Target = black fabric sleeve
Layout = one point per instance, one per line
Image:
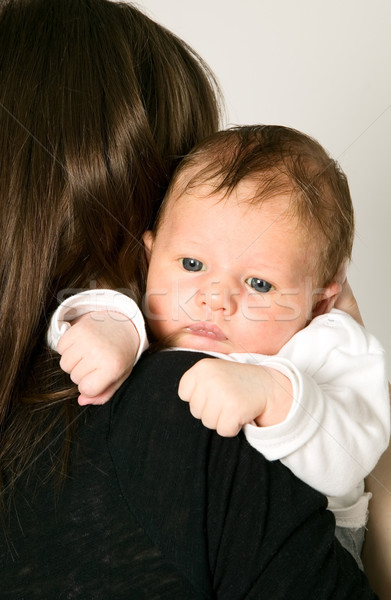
(231, 523)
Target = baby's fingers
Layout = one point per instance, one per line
(187, 385)
(98, 382)
(69, 360)
(99, 398)
(67, 339)
(92, 383)
(197, 375)
(227, 425)
(81, 371)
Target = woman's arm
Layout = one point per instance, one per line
(377, 545)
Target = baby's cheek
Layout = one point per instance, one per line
(269, 324)
(256, 307)
(155, 309)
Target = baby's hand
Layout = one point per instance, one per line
(226, 395)
(98, 352)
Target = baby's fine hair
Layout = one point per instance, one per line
(280, 160)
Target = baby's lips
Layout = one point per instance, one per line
(208, 330)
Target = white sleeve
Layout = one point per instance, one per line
(339, 423)
(95, 300)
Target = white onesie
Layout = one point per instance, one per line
(339, 422)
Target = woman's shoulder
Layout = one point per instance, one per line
(155, 377)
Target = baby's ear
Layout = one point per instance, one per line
(148, 239)
(326, 298)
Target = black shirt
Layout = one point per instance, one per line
(156, 506)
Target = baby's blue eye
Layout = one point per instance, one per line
(192, 264)
(259, 285)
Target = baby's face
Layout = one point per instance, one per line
(226, 276)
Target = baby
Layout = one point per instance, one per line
(244, 263)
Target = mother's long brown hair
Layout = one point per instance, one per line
(97, 105)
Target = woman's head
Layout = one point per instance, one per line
(98, 102)
(97, 105)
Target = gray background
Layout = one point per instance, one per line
(324, 68)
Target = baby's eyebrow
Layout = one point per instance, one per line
(190, 243)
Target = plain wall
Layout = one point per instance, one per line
(324, 68)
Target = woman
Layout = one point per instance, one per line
(134, 499)
(98, 105)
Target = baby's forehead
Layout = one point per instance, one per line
(268, 190)
(245, 201)
(256, 192)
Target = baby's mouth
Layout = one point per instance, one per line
(207, 330)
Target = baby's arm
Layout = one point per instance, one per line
(226, 395)
(334, 418)
(339, 423)
(100, 349)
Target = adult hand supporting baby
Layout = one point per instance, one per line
(347, 302)
(377, 546)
